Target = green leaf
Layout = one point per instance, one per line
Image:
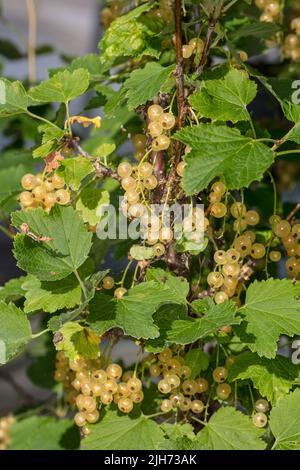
(51, 296)
(89, 62)
(225, 99)
(197, 360)
(177, 436)
(121, 432)
(271, 309)
(74, 170)
(134, 312)
(190, 330)
(104, 150)
(221, 151)
(15, 331)
(229, 429)
(127, 37)
(178, 286)
(163, 319)
(258, 29)
(140, 253)
(62, 87)
(43, 433)
(89, 202)
(273, 378)
(13, 98)
(285, 422)
(143, 84)
(75, 341)
(66, 251)
(12, 290)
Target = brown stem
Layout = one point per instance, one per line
(212, 21)
(179, 63)
(26, 396)
(293, 213)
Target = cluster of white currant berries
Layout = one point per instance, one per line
(43, 191)
(95, 387)
(289, 235)
(260, 419)
(108, 283)
(271, 10)
(291, 45)
(195, 46)
(159, 124)
(217, 208)
(5, 424)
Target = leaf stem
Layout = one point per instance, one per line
(125, 272)
(40, 118)
(6, 232)
(40, 333)
(81, 284)
(287, 152)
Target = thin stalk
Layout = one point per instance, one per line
(6, 232)
(81, 283)
(287, 152)
(40, 333)
(32, 38)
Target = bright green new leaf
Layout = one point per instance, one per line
(62, 87)
(285, 422)
(143, 84)
(221, 151)
(271, 309)
(13, 98)
(63, 253)
(273, 378)
(225, 99)
(178, 286)
(127, 37)
(229, 429)
(190, 330)
(75, 340)
(10, 181)
(15, 331)
(140, 253)
(74, 170)
(121, 432)
(89, 202)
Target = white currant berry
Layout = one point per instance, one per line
(259, 420)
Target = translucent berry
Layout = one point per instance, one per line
(187, 51)
(164, 386)
(189, 387)
(150, 182)
(58, 181)
(48, 185)
(134, 384)
(220, 374)
(132, 196)
(219, 188)
(49, 200)
(62, 196)
(243, 245)
(161, 142)
(185, 404)
(232, 255)
(154, 370)
(166, 406)
(220, 297)
(223, 391)
(128, 183)
(238, 209)
(258, 251)
(218, 210)
(107, 398)
(165, 355)
(145, 170)
(176, 398)
(185, 372)
(114, 371)
(139, 141)
(154, 112)
(137, 397)
(215, 279)
(275, 256)
(167, 121)
(173, 380)
(155, 128)
(124, 170)
(243, 56)
(252, 217)
(26, 199)
(220, 257)
(231, 269)
(125, 405)
(110, 386)
(197, 406)
(260, 420)
(28, 181)
(92, 417)
(100, 375)
(120, 292)
(80, 419)
(261, 405)
(282, 228)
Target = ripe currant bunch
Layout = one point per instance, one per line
(270, 9)
(89, 387)
(43, 191)
(5, 424)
